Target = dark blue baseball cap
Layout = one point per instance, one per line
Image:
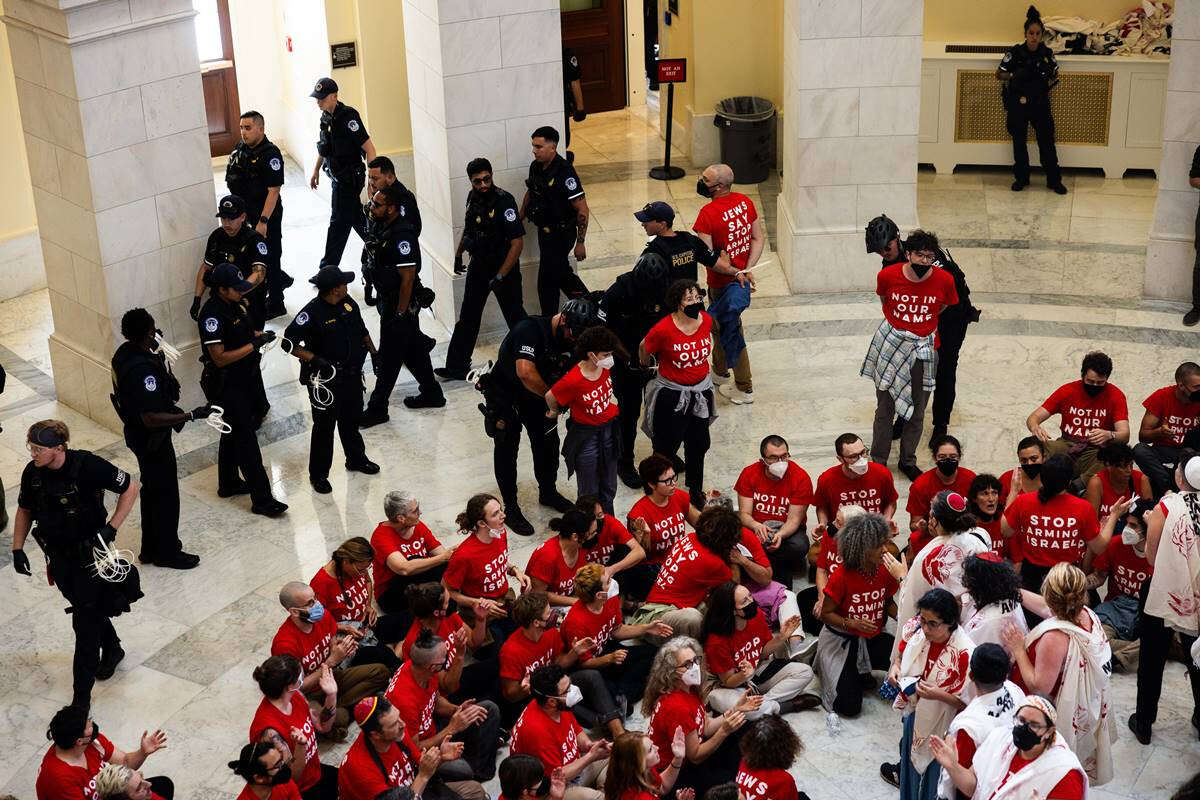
(330, 276)
(231, 207)
(228, 276)
(657, 211)
(324, 88)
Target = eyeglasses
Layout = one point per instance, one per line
(1036, 727)
(670, 480)
(481, 181)
(776, 459)
(36, 449)
(926, 622)
(686, 665)
(850, 458)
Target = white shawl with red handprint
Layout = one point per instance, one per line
(1174, 594)
(948, 673)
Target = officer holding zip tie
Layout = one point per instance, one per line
(331, 340)
(145, 393)
(62, 498)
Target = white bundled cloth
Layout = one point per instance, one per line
(948, 673)
(1083, 704)
(981, 716)
(1174, 595)
(994, 758)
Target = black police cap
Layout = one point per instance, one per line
(231, 206)
(324, 88)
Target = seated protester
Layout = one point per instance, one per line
(946, 475)
(267, 772)
(118, 782)
(548, 730)
(385, 757)
(826, 562)
(344, 587)
(984, 497)
(994, 703)
(743, 655)
(318, 642)
(597, 616)
(935, 652)
(855, 603)
(1067, 658)
(673, 701)
(699, 562)
(615, 549)
(406, 553)
(478, 571)
(993, 599)
(656, 521)
(434, 611)
(855, 480)
(1092, 412)
(1028, 759)
(551, 567)
(769, 748)
(752, 568)
(1124, 566)
(416, 694)
(1027, 475)
(773, 496)
(78, 751)
(285, 719)
(636, 770)
(1170, 423)
(523, 777)
(1116, 479)
(724, 791)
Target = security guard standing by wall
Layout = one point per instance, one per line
(340, 149)
(395, 259)
(493, 237)
(255, 173)
(231, 379)
(572, 96)
(1028, 72)
(331, 341)
(62, 496)
(145, 393)
(381, 172)
(235, 242)
(554, 201)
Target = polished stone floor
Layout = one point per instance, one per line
(1055, 276)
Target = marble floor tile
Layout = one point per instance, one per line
(1027, 271)
(1115, 231)
(1114, 206)
(1028, 225)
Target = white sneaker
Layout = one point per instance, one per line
(735, 395)
(719, 379)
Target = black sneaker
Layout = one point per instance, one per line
(447, 374)
(629, 476)
(890, 773)
(1140, 732)
(1058, 188)
(515, 521)
(108, 663)
(910, 471)
(424, 400)
(179, 560)
(286, 280)
(234, 491)
(320, 485)
(372, 418)
(555, 500)
(271, 508)
(1191, 317)
(1019, 185)
(366, 467)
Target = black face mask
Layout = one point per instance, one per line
(749, 611)
(702, 188)
(947, 466)
(831, 528)
(1093, 390)
(693, 310)
(588, 544)
(1194, 397)
(1024, 737)
(283, 776)
(1031, 470)
(920, 269)
(451, 608)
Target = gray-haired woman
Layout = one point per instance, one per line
(406, 553)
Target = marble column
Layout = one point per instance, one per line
(1171, 252)
(113, 115)
(481, 77)
(851, 86)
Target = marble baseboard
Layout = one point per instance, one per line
(21, 267)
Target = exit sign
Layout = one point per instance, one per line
(672, 70)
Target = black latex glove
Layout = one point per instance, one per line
(459, 266)
(579, 116)
(21, 562)
(263, 338)
(201, 412)
(195, 309)
(496, 280)
(108, 533)
(319, 365)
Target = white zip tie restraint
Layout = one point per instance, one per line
(216, 420)
(167, 349)
(322, 396)
(473, 375)
(269, 346)
(111, 564)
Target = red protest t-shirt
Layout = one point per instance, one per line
(1051, 532)
(1110, 494)
(666, 524)
(447, 627)
(284, 791)
(581, 622)
(873, 491)
(675, 709)
(479, 569)
(549, 566)
(994, 530)
(1179, 417)
(414, 702)
(555, 744)
(611, 534)
(1127, 571)
(267, 716)
(359, 776)
(591, 402)
(726, 652)
(862, 596)
(386, 540)
(652, 777)
(828, 557)
(58, 780)
(771, 497)
(769, 784)
(520, 656)
(920, 498)
(1081, 413)
(346, 601)
(310, 649)
(682, 358)
(1071, 787)
(758, 555)
(688, 574)
(914, 306)
(728, 221)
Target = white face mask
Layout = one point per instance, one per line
(495, 533)
(778, 469)
(692, 676)
(1130, 537)
(606, 362)
(573, 696)
(859, 467)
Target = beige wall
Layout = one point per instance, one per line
(17, 216)
(381, 51)
(1002, 21)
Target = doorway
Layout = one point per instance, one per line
(595, 30)
(214, 40)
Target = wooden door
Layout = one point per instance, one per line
(595, 30)
(214, 37)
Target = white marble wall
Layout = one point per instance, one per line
(481, 77)
(113, 114)
(851, 84)
(1171, 252)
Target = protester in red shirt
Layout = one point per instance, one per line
(430, 603)
(1116, 479)
(406, 552)
(769, 748)
(634, 767)
(826, 561)
(1170, 423)
(854, 481)
(946, 474)
(267, 772)
(523, 777)
(344, 587)
(615, 548)
(384, 756)
(983, 503)
(78, 751)
(656, 521)
(118, 782)
(679, 401)
(1124, 566)
(1092, 411)
(774, 494)
(283, 717)
(552, 566)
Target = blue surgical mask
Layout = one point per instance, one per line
(315, 613)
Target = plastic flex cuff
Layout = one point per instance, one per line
(111, 564)
(216, 420)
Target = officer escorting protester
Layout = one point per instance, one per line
(1028, 72)
(492, 238)
(62, 498)
(331, 341)
(255, 174)
(381, 172)
(683, 251)
(231, 379)
(235, 242)
(340, 149)
(555, 203)
(145, 394)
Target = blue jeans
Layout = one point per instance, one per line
(596, 466)
(916, 785)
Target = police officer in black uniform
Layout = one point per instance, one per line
(145, 394)
(340, 149)
(235, 242)
(395, 260)
(493, 237)
(682, 250)
(1029, 71)
(255, 173)
(381, 172)
(572, 96)
(534, 354)
(331, 341)
(231, 379)
(62, 497)
(554, 202)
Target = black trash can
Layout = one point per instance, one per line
(747, 136)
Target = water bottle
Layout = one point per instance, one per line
(833, 723)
